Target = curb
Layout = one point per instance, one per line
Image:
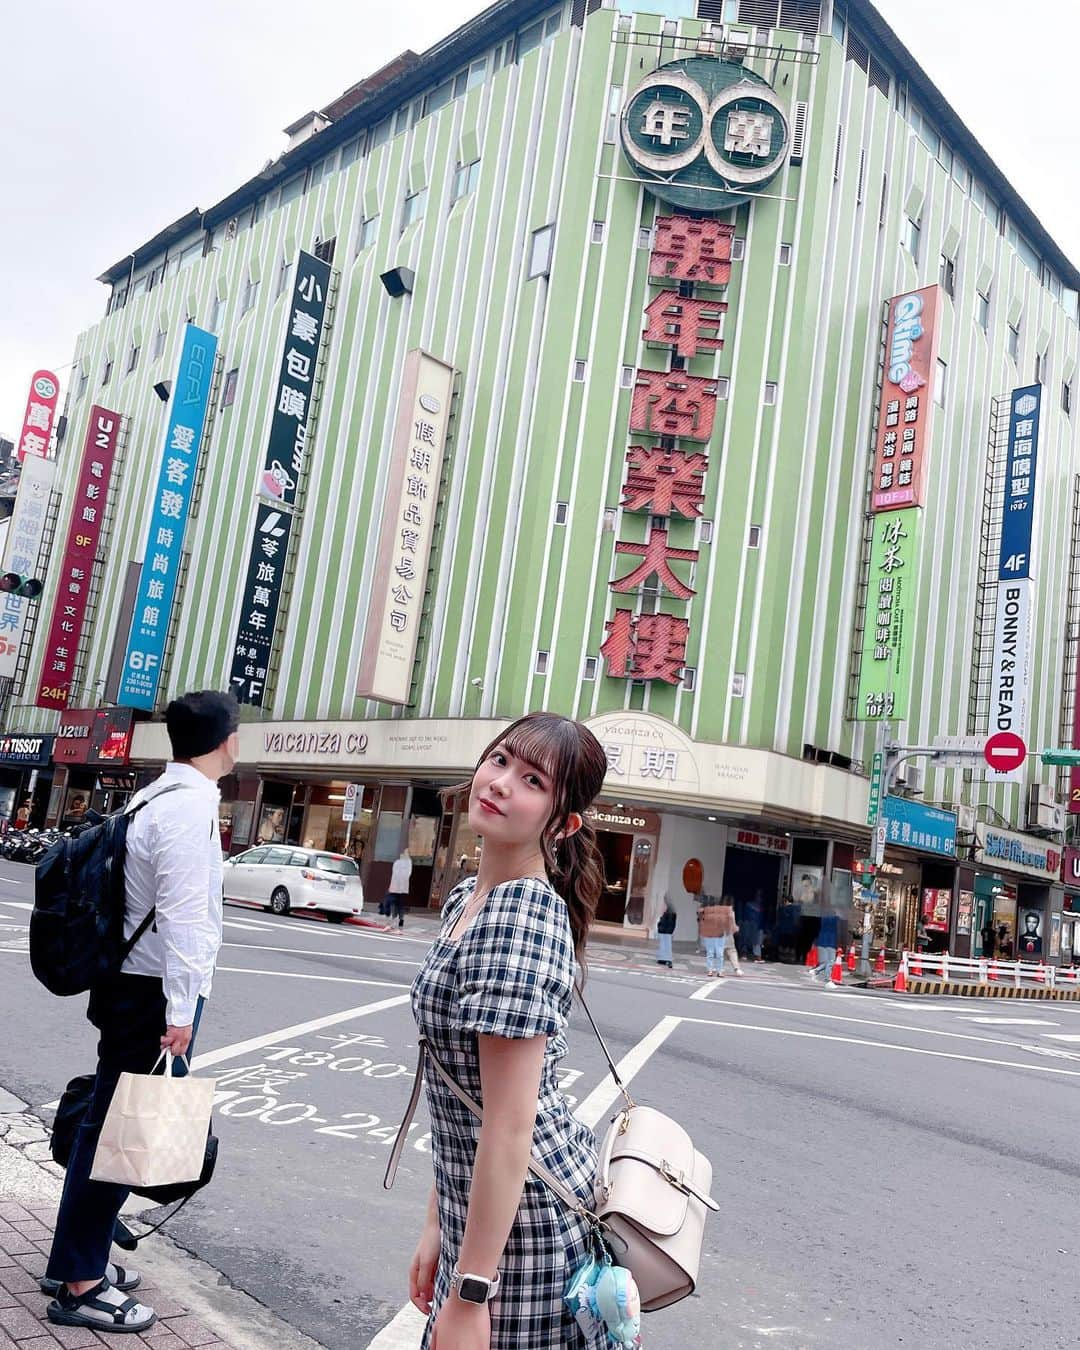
(963, 990)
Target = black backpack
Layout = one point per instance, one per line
(77, 925)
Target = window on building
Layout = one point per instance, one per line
(380, 133)
(543, 30)
(627, 377)
(541, 247)
(414, 208)
(365, 236)
(611, 517)
(1042, 368)
(982, 311)
(753, 537)
(705, 531)
(401, 120)
(465, 180)
(292, 189)
(106, 371)
(324, 249)
(282, 277)
(941, 383)
(190, 255)
(771, 393)
(562, 510)
(588, 671)
(785, 255)
(947, 275)
(439, 97)
(597, 232)
(1014, 341)
(580, 367)
(738, 685)
(540, 668)
(317, 172)
(614, 108)
(723, 387)
(1066, 397)
(352, 150)
(216, 313)
(689, 679)
(159, 344)
(738, 248)
(251, 290)
(133, 358)
(228, 392)
(644, 237)
(911, 236)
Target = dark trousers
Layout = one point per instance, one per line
(397, 906)
(129, 1013)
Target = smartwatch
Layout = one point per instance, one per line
(474, 1288)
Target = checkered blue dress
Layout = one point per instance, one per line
(510, 974)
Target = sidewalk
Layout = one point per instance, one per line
(196, 1305)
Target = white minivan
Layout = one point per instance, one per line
(281, 878)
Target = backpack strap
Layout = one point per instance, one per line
(151, 915)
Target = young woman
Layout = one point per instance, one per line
(493, 998)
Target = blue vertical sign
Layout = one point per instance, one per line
(172, 502)
(1017, 519)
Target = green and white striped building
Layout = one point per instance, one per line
(491, 168)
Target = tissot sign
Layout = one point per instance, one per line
(703, 133)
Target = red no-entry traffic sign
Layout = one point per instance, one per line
(1005, 751)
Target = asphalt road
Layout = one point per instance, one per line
(891, 1171)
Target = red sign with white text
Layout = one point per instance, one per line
(78, 558)
(907, 399)
(39, 416)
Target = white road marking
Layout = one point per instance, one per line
(703, 991)
(407, 1327)
(204, 1060)
(247, 924)
(17, 904)
(864, 1021)
(300, 975)
(887, 1045)
(1059, 1036)
(1014, 1022)
(341, 956)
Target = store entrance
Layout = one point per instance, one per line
(752, 879)
(617, 852)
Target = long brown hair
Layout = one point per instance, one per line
(573, 759)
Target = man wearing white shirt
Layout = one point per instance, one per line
(173, 867)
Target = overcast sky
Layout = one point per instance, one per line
(117, 116)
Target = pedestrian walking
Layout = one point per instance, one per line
(665, 927)
(827, 938)
(398, 895)
(989, 940)
(729, 951)
(172, 868)
(713, 929)
(492, 1000)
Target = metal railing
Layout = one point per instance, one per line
(987, 970)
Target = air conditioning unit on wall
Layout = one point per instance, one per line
(736, 45)
(911, 776)
(1044, 812)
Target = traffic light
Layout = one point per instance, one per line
(1065, 759)
(14, 584)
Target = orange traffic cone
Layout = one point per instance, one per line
(992, 971)
(836, 976)
(851, 959)
(879, 964)
(1040, 974)
(811, 958)
(916, 965)
(900, 984)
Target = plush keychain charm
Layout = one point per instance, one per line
(603, 1295)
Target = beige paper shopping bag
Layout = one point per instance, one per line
(155, 1129)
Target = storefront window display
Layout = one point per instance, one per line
(896, 915)
(1004, 921)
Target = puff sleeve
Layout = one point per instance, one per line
(516, 964)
